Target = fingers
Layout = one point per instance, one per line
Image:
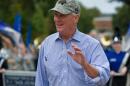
(70, 53)
(78, 52)
(75, 47)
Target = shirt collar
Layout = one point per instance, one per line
(76, 36)
(57, 36)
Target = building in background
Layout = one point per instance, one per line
(103, 26)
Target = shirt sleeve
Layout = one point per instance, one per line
(41, 76)
(100, 62)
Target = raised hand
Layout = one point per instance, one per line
(77, 56)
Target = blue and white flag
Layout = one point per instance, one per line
(13, 35)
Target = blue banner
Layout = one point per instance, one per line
(28, 36)
(17, 22)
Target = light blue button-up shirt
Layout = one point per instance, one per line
(57, 68)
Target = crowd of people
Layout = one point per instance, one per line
(16, 57)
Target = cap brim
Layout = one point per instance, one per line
(60, 9)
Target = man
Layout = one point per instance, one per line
(69, 57)
(118, 63)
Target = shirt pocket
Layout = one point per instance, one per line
(51, 65)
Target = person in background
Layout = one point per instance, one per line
(9, 52)
(70, 57)
(118, 64)
(3, 63)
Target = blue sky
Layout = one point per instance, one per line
(103, 5)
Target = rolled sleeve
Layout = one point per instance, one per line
(100, 80)
(90, 80)
(100, 62)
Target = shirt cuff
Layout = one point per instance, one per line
(96, 80)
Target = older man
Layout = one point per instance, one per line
(70, 57)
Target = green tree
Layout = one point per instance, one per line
(40, 22)
(122, 18)
(37, 11)
(86, 18)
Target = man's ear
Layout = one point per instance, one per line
(77, 18)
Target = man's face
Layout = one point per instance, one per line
(65, 24)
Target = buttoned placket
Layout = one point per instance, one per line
(65, 69)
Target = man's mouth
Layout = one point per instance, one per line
(59, 25)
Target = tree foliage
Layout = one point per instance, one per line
(37, 12)
(122, 18)
(86, 18)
